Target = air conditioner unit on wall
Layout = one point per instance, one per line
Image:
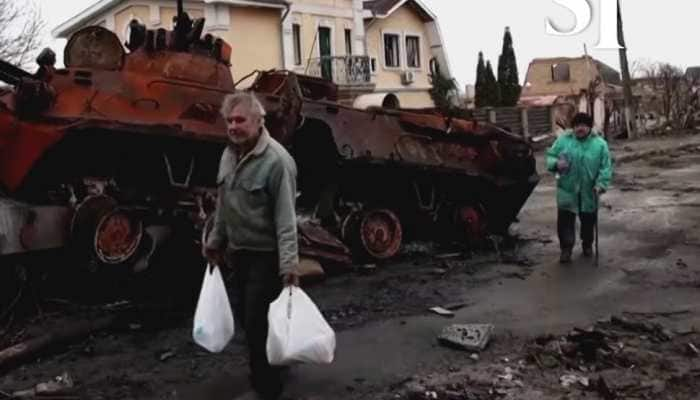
(407, 77)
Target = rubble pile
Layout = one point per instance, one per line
(619, 358)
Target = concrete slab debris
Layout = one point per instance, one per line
(470, 337)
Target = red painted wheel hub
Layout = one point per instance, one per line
(473, 223)
(380, 233)
(117, 237)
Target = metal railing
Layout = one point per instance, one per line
(341, 70)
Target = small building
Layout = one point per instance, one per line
(581, 84)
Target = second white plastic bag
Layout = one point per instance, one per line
(297, 332)
(213, 320)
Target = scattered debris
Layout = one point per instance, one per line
(58, 336)
(417, 248)
(656, 331)
(693, 350)
(442, 312)
(310, 268)
(604, 390)
(59, 385)
(568, 380)
(508, 375)
(448, 255)
(455, 306)
(367, 268)
(474, 337)
(669, 313)
(167, 354)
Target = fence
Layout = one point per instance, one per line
(528, 122)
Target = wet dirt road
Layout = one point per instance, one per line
(649, 263)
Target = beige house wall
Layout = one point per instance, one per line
(403, 22)
(539, 77)
(312, 14)
(419, 99)
(326, 3)
(263, 24)
(255, 41)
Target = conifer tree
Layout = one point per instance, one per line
(508, 81)
(480, 84)
(492, 92)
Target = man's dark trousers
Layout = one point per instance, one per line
(258, 284)
(566, 227)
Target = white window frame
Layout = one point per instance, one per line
(375, 70)
(348, 52)
(383, 49)
(418, 35)
(294, 46)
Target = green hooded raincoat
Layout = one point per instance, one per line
(590, 166)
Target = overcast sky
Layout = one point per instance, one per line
(654, 30)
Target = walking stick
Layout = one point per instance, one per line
(597, 207)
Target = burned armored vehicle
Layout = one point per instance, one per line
(378, 177)
(115, 153)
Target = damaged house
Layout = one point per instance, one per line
(570, 85)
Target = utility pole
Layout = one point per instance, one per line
(630, 108)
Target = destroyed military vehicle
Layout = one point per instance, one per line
(112, 154)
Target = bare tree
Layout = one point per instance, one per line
(677, 92)
(640, 67)
(21, 32)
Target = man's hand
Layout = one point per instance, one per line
(597, 190)
(290, 279)
(214, 256)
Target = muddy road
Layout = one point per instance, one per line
(387, 347)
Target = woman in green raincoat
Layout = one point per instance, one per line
(581, 160)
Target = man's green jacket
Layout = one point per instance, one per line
(590, 167)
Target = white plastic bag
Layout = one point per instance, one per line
(213, 320)
(297, 332)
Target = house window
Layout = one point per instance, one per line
(348, 42)
(392, 53)
(413, 51)
(560, 73)
(296, 33)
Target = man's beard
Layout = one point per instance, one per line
(238, 140)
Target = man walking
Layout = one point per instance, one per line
(255, 224)
(581, 160)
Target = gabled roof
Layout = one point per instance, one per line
(384, 8)
(536, 87)
(610, 74)
(103, 6)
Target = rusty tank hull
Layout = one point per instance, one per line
(385, 176)
(121, 150)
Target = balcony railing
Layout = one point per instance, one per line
(342, 70)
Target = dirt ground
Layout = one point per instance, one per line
(648, 281)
